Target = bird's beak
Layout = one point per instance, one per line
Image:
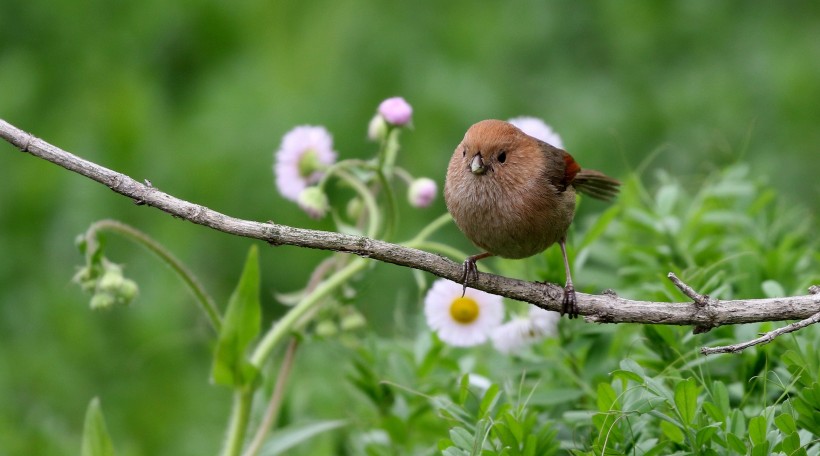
(477, 165)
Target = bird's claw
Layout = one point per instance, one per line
(470, 272)
(569, 305)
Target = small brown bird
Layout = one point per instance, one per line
(513, 195)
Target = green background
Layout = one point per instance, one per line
(195, 96)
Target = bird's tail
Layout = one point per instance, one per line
(596, 184)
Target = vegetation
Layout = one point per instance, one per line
(706, 112)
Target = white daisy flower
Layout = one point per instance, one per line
(304, 152)
(461, 321)
(536, 128)
(523, 331)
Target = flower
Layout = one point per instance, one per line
(522, 331)
(304, 152)
(536, 128)
(461, 321)
(313, 201)
(422, 192)
(396, 111)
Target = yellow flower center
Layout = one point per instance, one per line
(464, 310)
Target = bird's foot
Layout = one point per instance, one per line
(470, 272)
(569, 305)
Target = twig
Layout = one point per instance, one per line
(604, 308)
(764, 339)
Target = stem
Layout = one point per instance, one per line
(372, 208)
(238, 422)
(440, 248)
(287, 322)
(206, 303)
(428, 230)
(272, 412)
(392, 212)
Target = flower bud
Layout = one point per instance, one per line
(326, 328)
(314, 202)
(377, 128)
(396, 111)
(111, 280)
(422, 192)
(351, 319)
(102, 301)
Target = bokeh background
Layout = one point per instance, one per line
(195, 96)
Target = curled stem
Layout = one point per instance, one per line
(206, 303)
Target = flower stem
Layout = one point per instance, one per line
(287, 323)
(240, 412)
(428, 230)
(275, 404)
(206, 303)
(374, 220)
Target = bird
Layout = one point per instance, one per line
(513, 196)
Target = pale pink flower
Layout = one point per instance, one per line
(536, 128)
(305, 151)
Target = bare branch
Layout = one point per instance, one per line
(764, 339)
(703, 312)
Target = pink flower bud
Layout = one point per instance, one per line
(396, 111)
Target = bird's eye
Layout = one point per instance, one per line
(464, 152)
(502, 156)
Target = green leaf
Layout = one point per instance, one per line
(736, 443)
(282, 440)
(672, 432)
(488, 401)
(96, 441)
(239, 329)
(686, 399)
(773, 289)
(607, 398)
(757, 429)
(461, 438)
(464, 389)
(627, 375)
(785, 423)
(720, 396)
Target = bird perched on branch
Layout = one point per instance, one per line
(513, 195)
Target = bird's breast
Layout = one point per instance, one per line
(511, 221)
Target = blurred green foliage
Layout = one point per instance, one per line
(196, 95)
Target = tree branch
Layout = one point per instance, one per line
(703, 312)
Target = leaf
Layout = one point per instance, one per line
(773, 289)
(736, 443)
(488, 401)
(672, 432)
(96, 441)
(240, 327)
(785, 423)
(282, 440)
(720, 395)
(757, 430)
(686, 399)
(607, 398)
(461, 438)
